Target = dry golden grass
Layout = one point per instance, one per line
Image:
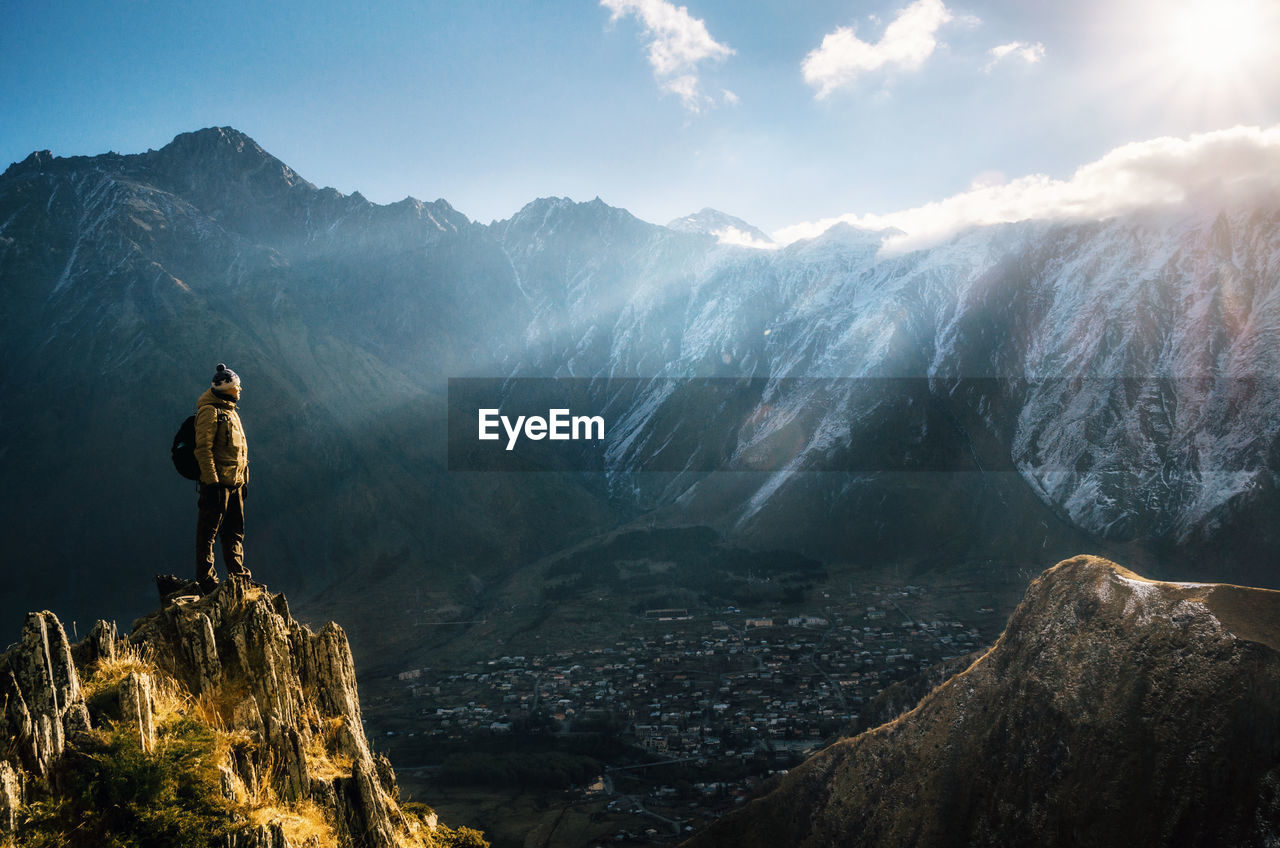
(1252, 614)
(208, 708)
(216, 707)
(107, 673)
(417, 833)
(172, 702)
(322, 760)
(169, 698)
(220, 710)
(414, 839)
(304, 824)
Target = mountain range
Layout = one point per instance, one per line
(1018, 393)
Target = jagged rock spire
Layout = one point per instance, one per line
(236, 661)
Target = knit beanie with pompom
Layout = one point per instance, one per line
(225, 375)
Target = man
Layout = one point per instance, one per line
(223, 456)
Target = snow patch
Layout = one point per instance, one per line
(1143, 596)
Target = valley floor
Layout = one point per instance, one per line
(661, 722)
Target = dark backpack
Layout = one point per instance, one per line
(184, 450)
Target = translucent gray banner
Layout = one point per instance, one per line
(1073, 425)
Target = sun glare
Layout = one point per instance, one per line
(1211, 62)
(1218, 37)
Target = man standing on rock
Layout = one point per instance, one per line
(223, 457)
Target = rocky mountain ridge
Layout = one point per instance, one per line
(229, 693)
(1113, 710)
(1102, 386)
(724, 227)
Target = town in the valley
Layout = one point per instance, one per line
(680, 720)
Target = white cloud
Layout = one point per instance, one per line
(678, 44)
(1232, 163)
(1018, 50)
(908, 41)
(739, 238)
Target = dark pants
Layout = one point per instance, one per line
(221, 515)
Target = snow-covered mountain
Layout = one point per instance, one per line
(1018, 388)
(1125, 369)
(726, 228)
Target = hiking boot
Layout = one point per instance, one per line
(171, 586)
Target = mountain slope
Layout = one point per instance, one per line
(1019, 391)
(1120, 371)
(127, 277)
(1112, 711)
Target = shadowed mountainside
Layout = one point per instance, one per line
(1021, 391)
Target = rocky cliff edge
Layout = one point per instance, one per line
(218, 720)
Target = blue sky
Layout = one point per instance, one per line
(780, 113)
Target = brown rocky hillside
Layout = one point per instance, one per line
(1113, 711)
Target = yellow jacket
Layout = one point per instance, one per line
(221, 449)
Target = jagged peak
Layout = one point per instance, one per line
(542, 205)
(208, 138)
(727, 228)
(225, 135)
(551, 211)
(46, 162)
(226, 147)
(842, 238)
(843, 231)
(274, 706)
(36, 162)
(203, 158)
(439, 210)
